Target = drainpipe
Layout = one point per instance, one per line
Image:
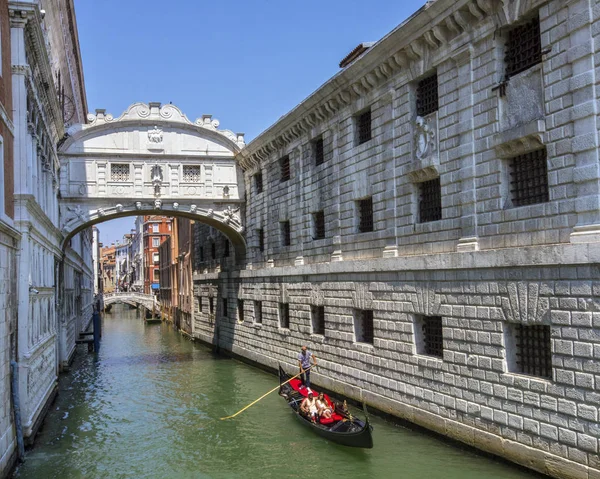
(14, 373)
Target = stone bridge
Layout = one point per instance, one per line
(152, 160)
(149, 301)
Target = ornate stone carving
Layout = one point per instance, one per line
(119, 207)
(138, 205)
(175, 206)
(157, 204)
(155, 135)
(157, 179)
(193, 208)
(425, 143)
(76, 215)
(230, 215)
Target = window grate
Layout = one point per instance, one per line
(319, 222)
(284, 165)
(191, 174)
(427, 95)
(363, 123)
(284, 315)
(430, 201)
(119, 172)
(318, 151)
(433, 339)
(258, 312)
(529, 178)
(213, 250)
(258, 182)
(261, 239)
(226, 248)
(523, 48)
(365, 215)
(241, 310)
(225, 308)
(286, 233)
(201, 254)
(318, 320)
(363, 326)
(199, 304)
(211, 305)
(534, 351)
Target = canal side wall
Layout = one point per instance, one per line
(512, 282)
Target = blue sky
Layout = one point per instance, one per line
(245, 62)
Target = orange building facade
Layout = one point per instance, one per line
(157, 229)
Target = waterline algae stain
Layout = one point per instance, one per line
(148, 407)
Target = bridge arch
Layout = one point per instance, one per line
(152, 160)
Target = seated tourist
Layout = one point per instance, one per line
(309, 406)
(323, 407)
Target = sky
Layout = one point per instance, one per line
(246, 62)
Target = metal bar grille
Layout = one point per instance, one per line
(534, 352)
(213, 250)
(258, 182)
(524, 47)
(226, 248)
(427, 95)
(119, 172)
(365, 215)
(261, 239)
(430, 203)
(284, 165)
(318, 320)
(364, 127)
(258, 311)
(319, 219)
(199, 304)
(191, 174)
(319, 151)
(225, 307)
(241, 310)
(284, 315)
(211, 305)
(433, 339)
(529, 178)
(286, 233)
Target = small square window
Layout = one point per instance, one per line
(430, 201)
(156, 275)
(319, 225)
(318, 151)
(119, 172)
(523, 47)
(155, 258)
(284, 315)
(363, 326)
(427, 95)
(260, 233)
(286, 233)
(529, 178)
(155, 242)
(258, 312)
(363, 127)
(240, 307)
(258, 182)
(284, 167)
(318, 319)
(225, 312)
(530, 350)
(365, 215)
(429, 337)
(211, 305)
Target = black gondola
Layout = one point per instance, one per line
(348, 431)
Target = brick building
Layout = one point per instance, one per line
(156, 230)
(428, 222)
(108, 268)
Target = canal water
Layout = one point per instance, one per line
(148, 407)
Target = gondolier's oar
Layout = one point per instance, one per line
(265, 395)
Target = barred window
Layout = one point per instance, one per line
(284, 166)
(119, 172)
(199, 304)
(226, 248)
(363, 326)
(213, 250)
(430, 201)
(534, 351)
(529, 178)
(363, 126)
(258, 182)
(241, 310)
(524, 47)
(211, 305)
(260, 233)
(191, 173)
(429, 336)
(319, 225)
(318, 151)
(286, 233)
(427, 95)
(225, 308)
(201, 253)
(284, 315)
(258, 312)
(318, 319)
(365, 215)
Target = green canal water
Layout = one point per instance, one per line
(148, 407)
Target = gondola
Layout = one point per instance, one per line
(343, 429)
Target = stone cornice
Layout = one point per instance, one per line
(410, 47)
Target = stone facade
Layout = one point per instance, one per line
(387, 228)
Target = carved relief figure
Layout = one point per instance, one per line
(424, 138)
(157, 178)
(230, 215)
(155, 135)
(75, 214)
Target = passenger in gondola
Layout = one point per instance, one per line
(323, 407)
(309, 407)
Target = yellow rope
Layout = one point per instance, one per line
(264, 396)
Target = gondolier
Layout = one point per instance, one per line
(304, 361)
